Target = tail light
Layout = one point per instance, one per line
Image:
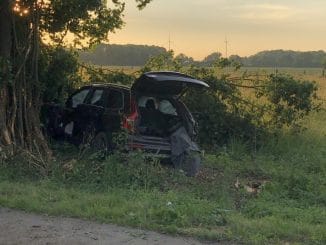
(129, 122)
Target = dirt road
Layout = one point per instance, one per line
(17, 227)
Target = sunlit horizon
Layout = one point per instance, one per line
(198, 28)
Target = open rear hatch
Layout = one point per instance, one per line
(165, 83)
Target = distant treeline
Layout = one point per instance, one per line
(284, 58)
(138, 55)
(120, 55)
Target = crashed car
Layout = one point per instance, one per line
(151, 111)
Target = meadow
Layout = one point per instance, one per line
(311, 74)
(273, 195)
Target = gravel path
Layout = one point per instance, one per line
(17, 227)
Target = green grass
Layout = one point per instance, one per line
(288, 207)
(172, 212)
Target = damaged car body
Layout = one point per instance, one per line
(151, 111)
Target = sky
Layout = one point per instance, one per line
(200, 27)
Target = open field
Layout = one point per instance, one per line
(311, 74)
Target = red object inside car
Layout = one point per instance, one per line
(130, 120)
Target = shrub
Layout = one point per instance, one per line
(59, 73)
(225, 110)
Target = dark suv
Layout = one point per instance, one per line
(151, 111)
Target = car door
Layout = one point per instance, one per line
(71, 112)
(101, 111)
(88, 115)
(114, 109)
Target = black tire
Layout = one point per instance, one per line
(190, 163)
(52, 118)
(100, 142)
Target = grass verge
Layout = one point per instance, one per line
(275, 196)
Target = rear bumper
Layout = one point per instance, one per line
(149, 144)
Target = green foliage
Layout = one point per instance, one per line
(142, 3)
(164, 61)
(120, 55)
(184, 60)
(59, 73)
(276, 58)
(100, 75)
(118, 170)
(90, 22)
(62, 74)
(283, 58)
(23, 165)
(211, 59)
(217, 124)
(290, 99)
(225, 110)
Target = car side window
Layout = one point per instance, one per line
(79, 97)
(115, 100)
(97, 97)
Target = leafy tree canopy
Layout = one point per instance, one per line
(88, 21)
(212, 58)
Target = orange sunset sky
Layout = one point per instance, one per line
(199, 27)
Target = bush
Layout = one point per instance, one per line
(59, 73)
(289, 99)
(225, 111)
(97, 75)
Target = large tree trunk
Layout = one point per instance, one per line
(5, 50)
(20, 88)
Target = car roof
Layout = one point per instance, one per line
(107, 85)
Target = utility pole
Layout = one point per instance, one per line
(226, 47)
(169, 42)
